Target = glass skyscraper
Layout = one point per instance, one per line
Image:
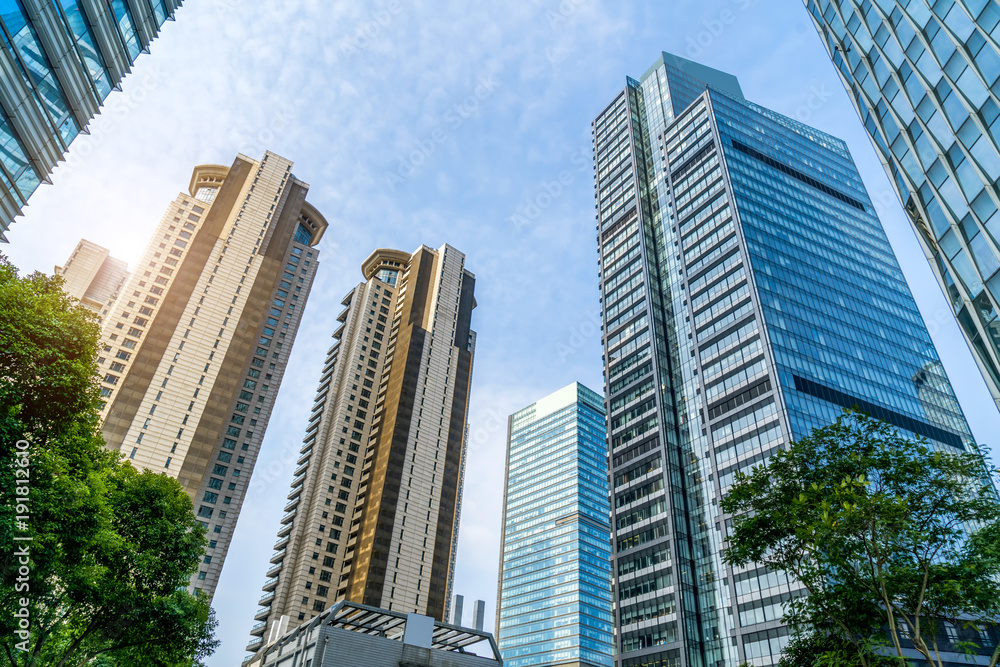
(749, 294)
(61, 60)
(554, 598)
(925, 78)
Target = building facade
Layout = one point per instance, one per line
(93, 276)
(372, 637)
(925, 78)
(554, 604)
(196, 344)
(59, 62)
(372, 515)
(749, 295)
(479, 614)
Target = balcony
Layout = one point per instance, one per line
(254, 644)
(258, 628)
(266, 598)
(274, 569)
(270, 584)
(282, 543)
(262, 614)
(278, 556)
(288, 517)
(302, 468)
(285, 529)
(293, 502)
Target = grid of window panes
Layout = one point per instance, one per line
(628, 288)
(841, 320)
(782, 303)
(926, 80)
(81, 31)
(58, 107)
(555, 600)
(21, 41)
(707, 279)
(660, 506)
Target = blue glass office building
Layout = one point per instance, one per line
(749, 294)
(554, 597)
(925, 78)
(60, 60)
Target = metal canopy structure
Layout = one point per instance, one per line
(387, 624)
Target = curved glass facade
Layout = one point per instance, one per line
(68, 56)
(555, 571)
(925, 78)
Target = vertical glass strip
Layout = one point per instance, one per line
(15, 161)
(92, 59)
(126, 24)
(160, 11)
(19, 36)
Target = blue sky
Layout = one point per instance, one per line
(435, 122)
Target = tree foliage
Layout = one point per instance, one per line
(892, 539)
(111, 549)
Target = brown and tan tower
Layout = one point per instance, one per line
(93, 276)
(373, 512)
(196, 343)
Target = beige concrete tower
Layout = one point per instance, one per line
(197, 342)
(373, 512)
(93, 276)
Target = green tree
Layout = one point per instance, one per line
(891, 538)
(111, 549)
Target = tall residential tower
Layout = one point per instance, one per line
(925, 78)
(372, 516)
(197, 342)
(61, 60)
(749, 294)
(93, 276)
(554, 594)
